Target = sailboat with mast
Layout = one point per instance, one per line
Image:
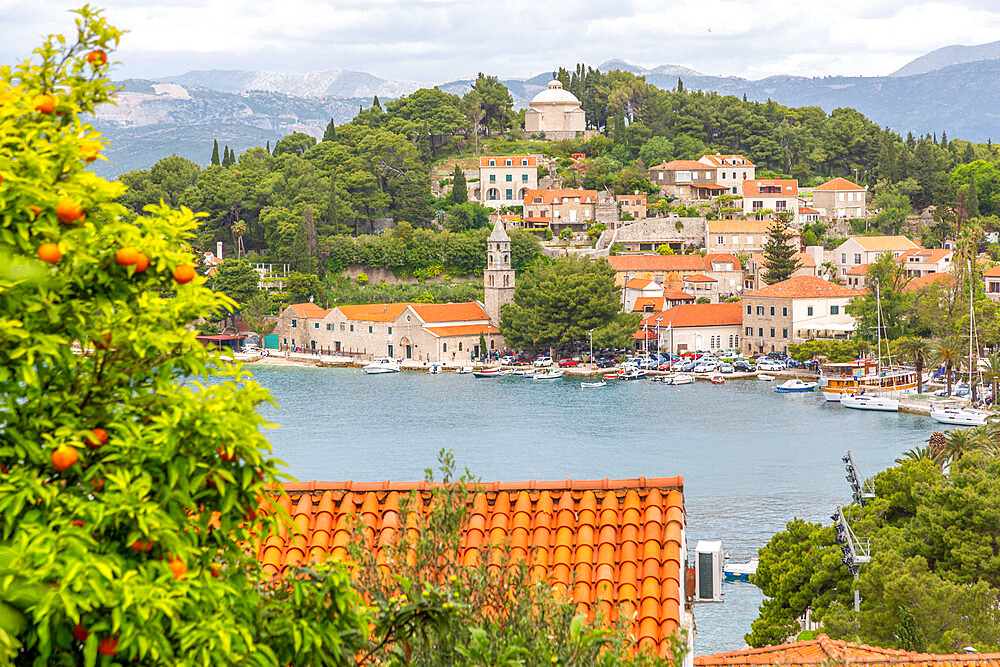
(882, 391)
(965, 416)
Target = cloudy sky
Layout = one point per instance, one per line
(439, 40)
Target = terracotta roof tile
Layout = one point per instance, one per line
(677, 295)
(824, 650)
(859, 270)
(875, 243)
(373, 312)
(310, 310)
(605, 542)
(803, 287)
(501, 160)
(727, 160)
(449, 312)
(698, 315)
(655, 304)
(687, 165)
(924, 254)
(547, 196)
(786, 187)
(640, 283)
(993, 272)
(931, 278)
(838, 184)
(805, 210)
(699, 278)
(462, 330)
(671, 262)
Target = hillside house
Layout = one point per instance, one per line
(840, 198)
(858, 250)
(670, 270)
(560, 209)
(778, 195)
(633, 205)
(793, 311)
(922, 261)
(731, 171)
(991, 280)
(504, 179)
(686, 179)
(700, 326)
(742, 236)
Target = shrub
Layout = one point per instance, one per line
(362, 278)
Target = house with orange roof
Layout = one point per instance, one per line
(808, 214)
(756, 268)
(857, 277)
(866, 249)
(794, 311)
(730, 171)
(702, 287)
(916, 285)
(686, 179)
(825, 651)
(781, 196)
(632, 204)
(918, 262)
(300, 326)
(698, 326)
(504, 179)
(991, 278)
(670, 270)
(840, 198)
(743, 236)
(561, 209)
(649, 292)
(616, 547)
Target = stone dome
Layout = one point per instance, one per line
(555, 94)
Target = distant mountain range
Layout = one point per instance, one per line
(954, 89)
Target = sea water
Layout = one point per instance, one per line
(751, 459)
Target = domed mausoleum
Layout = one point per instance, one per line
(557, 113)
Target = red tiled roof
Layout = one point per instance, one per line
(671, 262)
(859, 270)
(501, 160)
(805, 210)
(838, 184)
(993, 272)
(654, 302)
(722, 257)
(538, 218)
(462, 330)
(931, 278)
(824, 650)
(788, 187)
(698, 315)
(924, 254)
(310, 310)
(804, 258)
(686, 165)
(709, 186)
(449, 312)
(611, 544)
(677, 295)
(639, 283)
(373, 312)
(634, 200)
(803, 287)
(547, 196)
(725, 160)
(699, 278)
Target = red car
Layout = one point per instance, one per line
(566, 363)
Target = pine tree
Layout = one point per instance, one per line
(215, 152)
(331, 131)
(310, 230)
(778, 254)
(459, 192)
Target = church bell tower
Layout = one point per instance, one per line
(498, 278)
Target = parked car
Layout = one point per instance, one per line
(522, 359)
(507, 361)
(605, 362)
(743, 366)
(667, 365)
(568, 363)
(725, 368)
(542, 362)
(766, 364)
(706, 367)
(686, 366)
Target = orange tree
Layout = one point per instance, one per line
(131, 459)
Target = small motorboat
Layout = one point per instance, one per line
(679, 379)
(610, 376)
(494, 372)
(434, 369)
(795, 384)
(592, 385)
(740, 571)
(718, 379)
(864, 402)
(548, 374)
(764, 377)
(464, 370)
(959, 416)
(382, 365)
(526, 372)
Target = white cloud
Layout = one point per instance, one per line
(435, 40)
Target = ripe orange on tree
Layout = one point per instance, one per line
(141, 545)
(69, 211)
(108, 646)
(142, 263)
(178, 567)
(89, 149)
(127, 256)
(97, 57)
(184, 273)
(49, 252)
(97, 438)
(44, 103)
(64, 457)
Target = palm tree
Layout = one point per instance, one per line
(960, 442)
(239, 229)
(916, 454)
(949, 352)
(993, 372)
(918, 350)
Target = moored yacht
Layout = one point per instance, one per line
(960, 416)
(863, 402)
(382, 365)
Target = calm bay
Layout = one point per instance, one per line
(751, 459)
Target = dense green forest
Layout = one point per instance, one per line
(294, 203)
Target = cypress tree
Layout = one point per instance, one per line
(268, 147)
(331, 131)
(680, 85)
(459, 191)
(424, 146)
(215, 152)
(972, 202)
(376, 105)
(911, 637)
(778, 254)
(225, 156)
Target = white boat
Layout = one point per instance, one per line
(795, 384)
(549, 374)
(862, 402)
(680, 378)
(716, 378)
(765, 377)
(382, 365)
(434, 369)
(960, 416)
(740, 571)
(526, 372)
(592, 385)
(464, 370)
(489, 373)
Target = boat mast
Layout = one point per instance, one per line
(971, 317)
(878, 327)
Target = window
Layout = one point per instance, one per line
(749, 310)
(843, 258)
(760, 331)
(760, 310)
(682, 177)
(493, 163)
(459, 347)
(493, 178)
(315, 325)
(285, 341)
(772, 311)
(524, 163)
(390, 331)
(784, 312)
(510, 177)
(835, 310)
(352, 327)
(809, 310)
(749, 240)
(509, 163)
(509, 193)
(444, 347)
(784, 333)
(857, 258)
(370, 330)
(780, 205)
(341, 326)
(772, 332)
(524, 177)
(293, 323)
(749, 331)
(721, 240)
(757, 205)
